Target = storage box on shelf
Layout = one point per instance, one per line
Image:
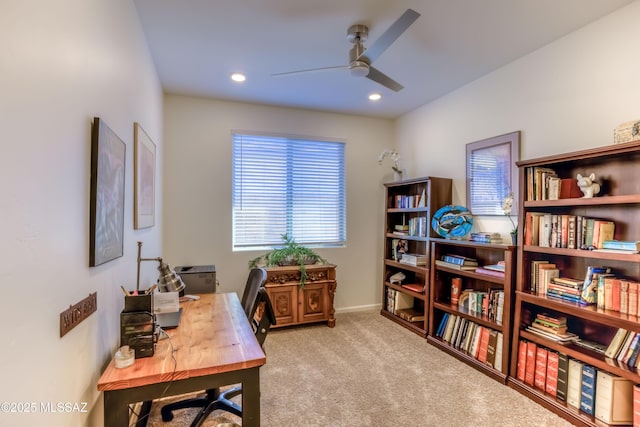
(409, 206)
(477, 327)
(579, 334)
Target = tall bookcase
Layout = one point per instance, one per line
(409, 206)
(617, 169)
(469, 322)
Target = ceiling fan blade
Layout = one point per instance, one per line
(381, 78)
(393, 32)
(336, 67)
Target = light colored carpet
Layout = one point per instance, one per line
(370, 371)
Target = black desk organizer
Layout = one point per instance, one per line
(138, 325)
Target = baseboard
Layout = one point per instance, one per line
(358, 308)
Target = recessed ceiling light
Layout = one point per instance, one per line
(238, 77)
(375, 96)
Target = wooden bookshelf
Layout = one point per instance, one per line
(442, 308)
(617, 169)
(410, 203)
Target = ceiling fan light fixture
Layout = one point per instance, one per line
(359, 69)
(238, 77)
(375, 97)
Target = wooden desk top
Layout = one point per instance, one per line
(214, 336)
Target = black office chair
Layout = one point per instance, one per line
(254, 297)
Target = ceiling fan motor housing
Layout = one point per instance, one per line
(359, 69)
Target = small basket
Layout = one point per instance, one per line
(627, 132)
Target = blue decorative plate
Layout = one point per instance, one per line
(452, 221)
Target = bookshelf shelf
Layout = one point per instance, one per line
(410, 204)
(464, 341)
(617, 170)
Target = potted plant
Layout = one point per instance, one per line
(290, 253)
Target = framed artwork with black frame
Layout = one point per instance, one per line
(492, 173)
(106, 213)
(144, 176)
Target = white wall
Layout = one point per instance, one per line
(567, 96)
(63, 63)
(197, 205)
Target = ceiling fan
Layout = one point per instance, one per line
(361, 58)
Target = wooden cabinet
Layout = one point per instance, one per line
(294, 304)
(461, 310)
(617, 169)
(409, 206)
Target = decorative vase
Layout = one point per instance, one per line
(397, 175)
(514, 239)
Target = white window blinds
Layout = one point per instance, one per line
(283, 185)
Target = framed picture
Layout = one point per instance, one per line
(492, 173)
(106, 216)
(144, 177)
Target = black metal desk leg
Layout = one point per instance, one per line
(251, 399)
(116, 410)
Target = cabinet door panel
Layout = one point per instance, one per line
(314, 303)
(285, 302)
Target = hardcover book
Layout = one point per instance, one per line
(588, 390)
(540, 374)
(530, 365)
(563, 373)
(574, 383)
(551, 383)
(522, 360)
(614, 399)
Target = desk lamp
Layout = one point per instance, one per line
(168, 281)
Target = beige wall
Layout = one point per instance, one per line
(63, 63)
(197, 204)
(566, 96)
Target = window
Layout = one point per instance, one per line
(492, 173)
(285, 185)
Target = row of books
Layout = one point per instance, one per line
(397, 300)
(607, 397)
(625, 348)
(489, 303)
(479, 342)
(544, 184)
(566, 231)
(546, 280)
(618, 294)
(402, 305)
(410, 201)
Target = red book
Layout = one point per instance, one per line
(484, 345)
(522, 360)
(530, 366)
(569, 188)
(540, 373)
(615, 295)
(551, 385)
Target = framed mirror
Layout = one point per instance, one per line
(492, 173)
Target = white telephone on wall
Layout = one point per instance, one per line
(397, 278)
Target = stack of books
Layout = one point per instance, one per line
(620, 246)
(493, 269)
(485, 237)
(552, 327)
(457, 262)
(414, 259)
(565, 288)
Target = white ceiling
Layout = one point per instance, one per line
(196, 44)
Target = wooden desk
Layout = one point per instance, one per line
(213, 346)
